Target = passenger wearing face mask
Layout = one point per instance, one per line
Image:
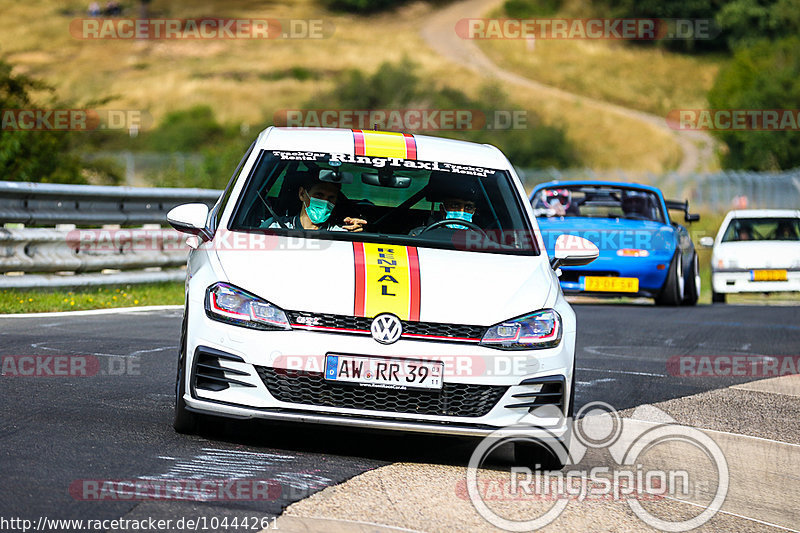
(317, 201)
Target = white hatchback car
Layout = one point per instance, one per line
(756, 250)
(377, 280)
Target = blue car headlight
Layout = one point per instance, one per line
(541, 329)
(232, 305)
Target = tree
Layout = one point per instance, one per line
(765, 76)
(32, 155)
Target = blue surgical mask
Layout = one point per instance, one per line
(459, 215)
(318, 210)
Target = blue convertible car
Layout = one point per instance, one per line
(642, 251)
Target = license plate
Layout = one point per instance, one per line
(384, 373)
(610, 284)
(768, 275)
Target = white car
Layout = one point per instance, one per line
(755, 250)
(442, 313)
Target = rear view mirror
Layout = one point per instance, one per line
(335, 176)
(707, 242)
(189, 218)
(386, 179)
(572, 250)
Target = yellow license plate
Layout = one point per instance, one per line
(768, 275)
(609, 284)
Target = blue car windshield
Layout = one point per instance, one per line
(598, 202)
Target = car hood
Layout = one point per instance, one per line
(758, 254)
(459, 287)
(611, 234)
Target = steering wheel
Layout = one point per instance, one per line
(448, 221)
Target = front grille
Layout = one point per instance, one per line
(310, 388)
(358, 324)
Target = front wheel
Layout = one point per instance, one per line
(692, 282)
(184, 420)
(672, 292)
(717, 297)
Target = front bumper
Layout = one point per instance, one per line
(249, 355)
(733, 281)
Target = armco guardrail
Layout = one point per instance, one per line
(59, 257)
(47, 204)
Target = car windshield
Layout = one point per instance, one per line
(412, 202)
(762, 229)
(597, 202)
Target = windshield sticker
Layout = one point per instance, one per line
(380, 162)
(299, 156)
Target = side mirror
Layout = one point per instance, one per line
(572, 250)
(707, 242)
(692, 217)
(189, 218)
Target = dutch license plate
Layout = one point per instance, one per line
(609, 284)
(768, 275)
(384, 373)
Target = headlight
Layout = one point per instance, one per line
(227, 303)
(541, 329)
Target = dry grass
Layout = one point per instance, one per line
(233, 76)
(638, 77)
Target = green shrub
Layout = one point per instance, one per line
(520, 9)
(186, 130)
(38, 156)
(764, 76)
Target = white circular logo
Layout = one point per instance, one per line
(386, 328)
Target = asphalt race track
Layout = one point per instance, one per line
(116, 425)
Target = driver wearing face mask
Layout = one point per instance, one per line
(317, 200)
(457, 203)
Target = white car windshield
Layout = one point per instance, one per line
(418, 203)
(762, 229)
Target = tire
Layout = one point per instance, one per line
(717, 297)
(538, 456)
(691, 282)
(533, 455)
(672, 292)
(184, 421)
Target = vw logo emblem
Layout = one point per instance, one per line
(386, 329)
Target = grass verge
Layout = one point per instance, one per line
(41, 301)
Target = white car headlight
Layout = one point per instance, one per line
(541, 329)
(232, 305)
